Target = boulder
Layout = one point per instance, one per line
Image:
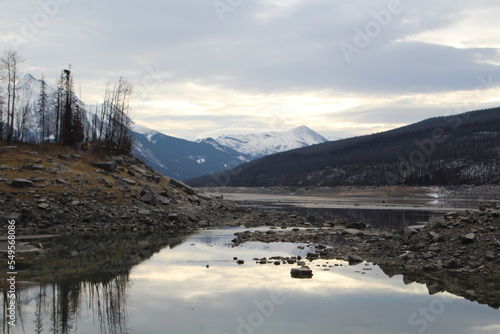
(354, 259)
(106, 183)
(6, 167)
(147, 197)
(435, 237)
(436, 222)
(136, 169)
(36, 167)
(21, 183)
(357, 225)
(469, 238)
(64, 157)
(108, 166)
(129, 182)
(352, 231)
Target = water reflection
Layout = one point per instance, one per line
(377, 217)
(192, 284)
(80, 281)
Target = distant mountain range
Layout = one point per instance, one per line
(183, 159)
(452, 150)
(173, 157)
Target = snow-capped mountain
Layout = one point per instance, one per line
(254, 146)
(179, 158)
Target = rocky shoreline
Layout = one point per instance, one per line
(458, 253)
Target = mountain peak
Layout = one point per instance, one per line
(261, 144)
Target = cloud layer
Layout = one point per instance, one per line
(207, 67)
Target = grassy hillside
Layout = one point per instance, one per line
(54, 188)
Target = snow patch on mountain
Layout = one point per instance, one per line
(262, 144)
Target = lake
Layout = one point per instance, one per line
(179, 284)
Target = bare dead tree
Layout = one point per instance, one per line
(42, 110)
(2, 105)
(22, 117)
(9, 64)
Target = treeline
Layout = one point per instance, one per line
(59, 116)
(453, 150)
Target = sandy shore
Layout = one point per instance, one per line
(397, 198)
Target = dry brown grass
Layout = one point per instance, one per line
(81, 177)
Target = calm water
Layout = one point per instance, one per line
(173, 291)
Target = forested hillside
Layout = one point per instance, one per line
(452, 150)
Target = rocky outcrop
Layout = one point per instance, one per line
(69, 192)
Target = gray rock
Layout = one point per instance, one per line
(129, 182)
(452, 264)
(21, 183)
(136, 169)
(64, 157)
(119, 160)
(109, 166)
(302, 272)
(36, 167)
(147, 197)
(490, 256)
(409, 231)
(436, 222)
(6, 167)
(5, 148)
(435, 237)
(106, 183)
(354, 259)
(352, 231)
(43, 206)
(357, 225)
(469, 238)
(59, 181)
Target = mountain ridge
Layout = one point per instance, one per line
(266, 143)
(446, 150)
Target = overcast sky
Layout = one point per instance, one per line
(210, 67)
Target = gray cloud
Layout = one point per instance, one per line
(259, 47)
